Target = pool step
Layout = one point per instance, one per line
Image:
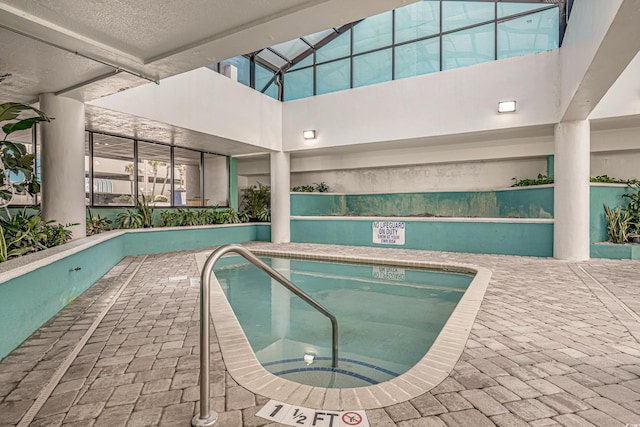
(319, 373)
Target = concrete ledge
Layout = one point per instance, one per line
(35, 287)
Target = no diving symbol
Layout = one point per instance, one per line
(351, 418)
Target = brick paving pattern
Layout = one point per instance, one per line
(554, 343)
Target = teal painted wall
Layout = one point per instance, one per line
(317, 204)
(151, 242)
(30, 300)
(233, 183)
(527, 239)
(529, 202)
(533, 202)
(615, 251)
(603, 195)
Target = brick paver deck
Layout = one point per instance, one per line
(554, 343)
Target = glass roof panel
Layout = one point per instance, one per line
(272, 58)
(316, 37)
(291, 49)
(303, 63)
(512, 8)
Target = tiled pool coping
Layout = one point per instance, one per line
(433, 368)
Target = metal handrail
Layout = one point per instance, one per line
(206, 416)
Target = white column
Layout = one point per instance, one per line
(571, 196)
(280, 202)
(62, 162)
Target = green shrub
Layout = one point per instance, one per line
(24, 233)
(255, 199)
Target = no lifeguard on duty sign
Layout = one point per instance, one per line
(297, 416)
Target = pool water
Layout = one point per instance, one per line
(388, 317)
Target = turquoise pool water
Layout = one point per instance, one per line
(388, 317)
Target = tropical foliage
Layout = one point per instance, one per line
(256, 201)
(24, 233)
(17, 164)
(321, 187)
(623, 224)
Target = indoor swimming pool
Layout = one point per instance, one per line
(388, 317)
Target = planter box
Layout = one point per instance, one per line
(615, 250)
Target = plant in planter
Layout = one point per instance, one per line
(618, 223)
(25, 233)
(129, 219)
(255, 199)
(633, 210)
(96, 224)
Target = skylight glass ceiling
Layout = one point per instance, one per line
(405, 42)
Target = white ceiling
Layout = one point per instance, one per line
(92, 48)
(61, 46)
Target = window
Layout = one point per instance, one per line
(333, 76)
(265, 82)
(423, 37)
(216, 180)
(24, 137)
(528, 34)
(468, 47)
(417, 20)
(372, 68)
(113, 171)
(298, 84)
(197, 179)
(417, 58)
(373, 33)
(187, 175)
(238, 69)
(154, 170)
(460, 14)
(339, 47)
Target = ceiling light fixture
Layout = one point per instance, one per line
(309, 134)
(506, 106)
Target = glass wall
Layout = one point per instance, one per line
(196, 178)
(423, 37)
(154, 168)
(116, 169)
(112, 169)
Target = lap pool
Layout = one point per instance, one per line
(388, 317)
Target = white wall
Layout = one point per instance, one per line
(205, 101)
(622, 165)
(623, 98)
(216, 184)
(467, 165)
(480, 175)
(588, 24)
(446, 103)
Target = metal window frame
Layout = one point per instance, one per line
(279, 77)
(172, 147)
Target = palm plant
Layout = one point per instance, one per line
(255, 199)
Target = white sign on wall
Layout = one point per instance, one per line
(388, 232)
